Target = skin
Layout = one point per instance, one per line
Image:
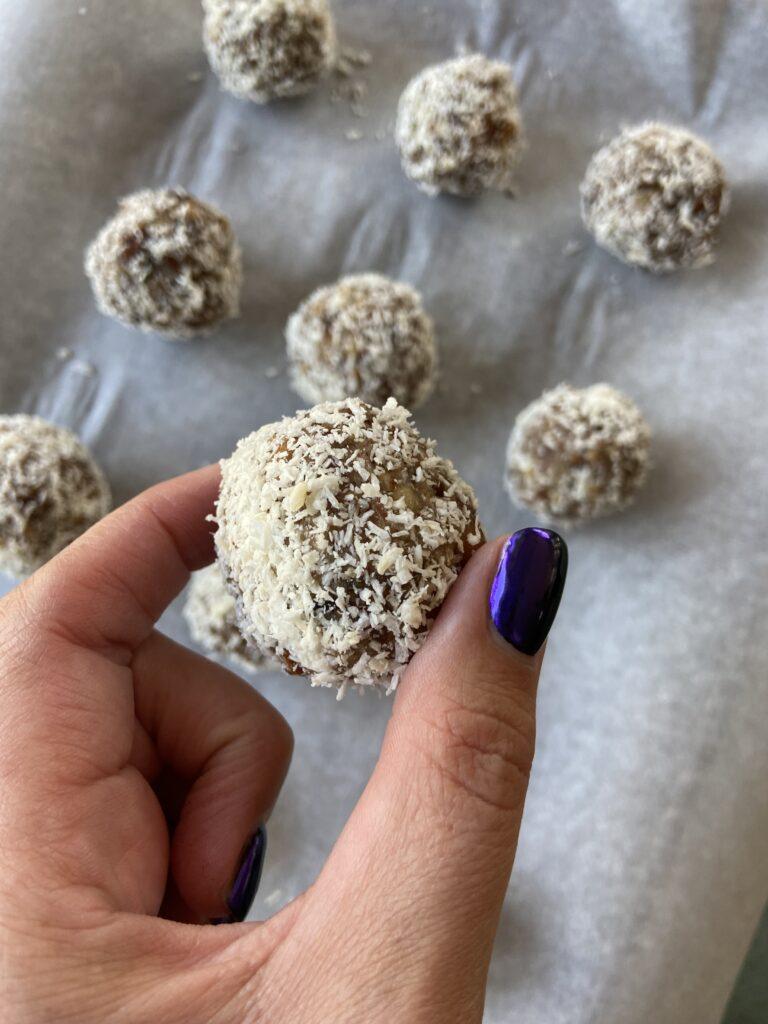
(111, 731)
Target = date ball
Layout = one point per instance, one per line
(51, 491)
(263, 50)
(575, 455)
(211, 616)
(340, 532)
(365, 337)
(654, 197)
(166, 263)
(459, 128)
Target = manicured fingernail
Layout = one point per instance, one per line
(246, 883)
(528, 586)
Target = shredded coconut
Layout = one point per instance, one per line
(348, 88)
(351, 60)
(364, 337)
(654, 197)
(573, 247)
(345, 588)
(211, 615)
(274, 898)
(51, 491)
(575, 455)
(263, 50)
(85, 369)
(459, 127)
(166, 263)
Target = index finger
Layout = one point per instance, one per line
(107, 589)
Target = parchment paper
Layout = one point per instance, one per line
(643, 865)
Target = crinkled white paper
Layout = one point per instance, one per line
(643, 864)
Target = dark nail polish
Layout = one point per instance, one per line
(246, 883)
(528, 586)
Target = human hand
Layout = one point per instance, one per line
(110, 733)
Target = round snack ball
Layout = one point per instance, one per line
(263, 50)
(654, 197)
(576, 454)
(341, 531)
(459, 128)
(210, 613)
(166, 263)
(51, 491)
(365, 337)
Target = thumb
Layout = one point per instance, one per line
(425, 860)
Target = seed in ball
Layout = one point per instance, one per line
(365, 337)
(51, 491)
(263, 50)
(575, 455)
(459, 127)
(210, 613)
(166, 263)
(340, 532)
(654, 197)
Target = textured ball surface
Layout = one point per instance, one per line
(263, 50)
(340, 532)
(575, 455)
(166, 263)
(459, 128)
(51, 491)
(211, 614)
(654, 197)
(365, 337)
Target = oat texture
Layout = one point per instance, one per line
(263, 50)
(654, 197)
(459, 127)
(210, 614)
(166, 263)
(340, 532)
(51, 491)
(575, 455)
(365, 337)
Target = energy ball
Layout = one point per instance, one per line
(211, 615)
(459, 128)
(365, 337)
(263, 50)
(166, 263)
(575, 455)
(340, 532)
(654, 197)
(51, 491)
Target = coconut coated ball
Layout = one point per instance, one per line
(654, 197)
(211, 615)
(263, 50)
(459, 128)
(365, 337)
(575, 455)
(166, 263)
(51, 491)
(340, 532)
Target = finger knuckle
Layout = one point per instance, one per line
(270, 738)
(484, 756)
(281, 737)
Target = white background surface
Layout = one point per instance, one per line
(643, 865)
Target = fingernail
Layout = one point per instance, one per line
(528, 586)
(246, 883)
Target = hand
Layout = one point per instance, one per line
(132, 773)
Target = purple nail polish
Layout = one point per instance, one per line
(528, 586)
(246, 883)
